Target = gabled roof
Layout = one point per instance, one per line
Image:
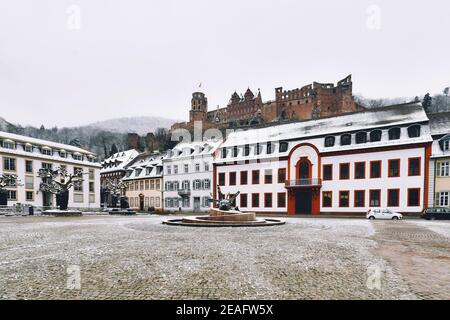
(118, 161)
(197, 148)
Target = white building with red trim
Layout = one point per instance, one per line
(343, 164)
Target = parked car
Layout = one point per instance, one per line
(436, 213)
(383, 214)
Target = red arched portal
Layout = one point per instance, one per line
(304, 192)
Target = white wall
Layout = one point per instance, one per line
(384, 183)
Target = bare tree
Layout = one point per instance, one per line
(59, 182)
(7, 180)
(115, 188)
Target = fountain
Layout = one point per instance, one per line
(226, 215)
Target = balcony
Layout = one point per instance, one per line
(303, 183)
(184, 192)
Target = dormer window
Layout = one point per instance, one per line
(394, 133)
(414, 131)
(446, 145)
(269, 148)
(63, 154)
(283, 146)
(375, 136)
(77, 156)
(235, 151)
(329, 141)
(361, 137)
(257, 149)
(246, 150)
(47, 151)
(28, 147)
(148, 171)
(9, 144)
(346, 140)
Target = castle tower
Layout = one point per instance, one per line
(199, 107)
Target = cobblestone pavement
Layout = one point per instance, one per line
(139, 258)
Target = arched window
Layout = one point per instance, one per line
(414, 131)
(283, 146)
(394, 133)
(375, 136)
(329, 141)
(346, 139)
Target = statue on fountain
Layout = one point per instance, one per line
(225, 202)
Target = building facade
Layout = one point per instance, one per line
(341, 164)
(309, 102)
(439, 169)
(114, 169)
(188, 175)
(145, 179)
(24, 156)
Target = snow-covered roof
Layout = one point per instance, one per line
(398, 115)
(194, 149)
(42, 143)
(439, 123)
(146, 166)
(118, 161)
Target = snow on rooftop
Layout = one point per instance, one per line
(439, 123)
(41, 142)
(374, 118)
(119, 160)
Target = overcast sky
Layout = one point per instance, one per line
(135, 58)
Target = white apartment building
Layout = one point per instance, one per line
(343, 164)
(145, 181)
(24, 156)
(188, 175)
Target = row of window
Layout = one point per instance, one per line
(29, 196)
(268, 177)
(174, 169)
(359, 198)
(257, 149)
(10, 164)
(45, 151)
(186, 202)
(197, 184)
(150, 184)
(268, 200)
(148, 171)
(414, 169)
(149, 202)
(372, 136)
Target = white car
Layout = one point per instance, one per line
(383, 214)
